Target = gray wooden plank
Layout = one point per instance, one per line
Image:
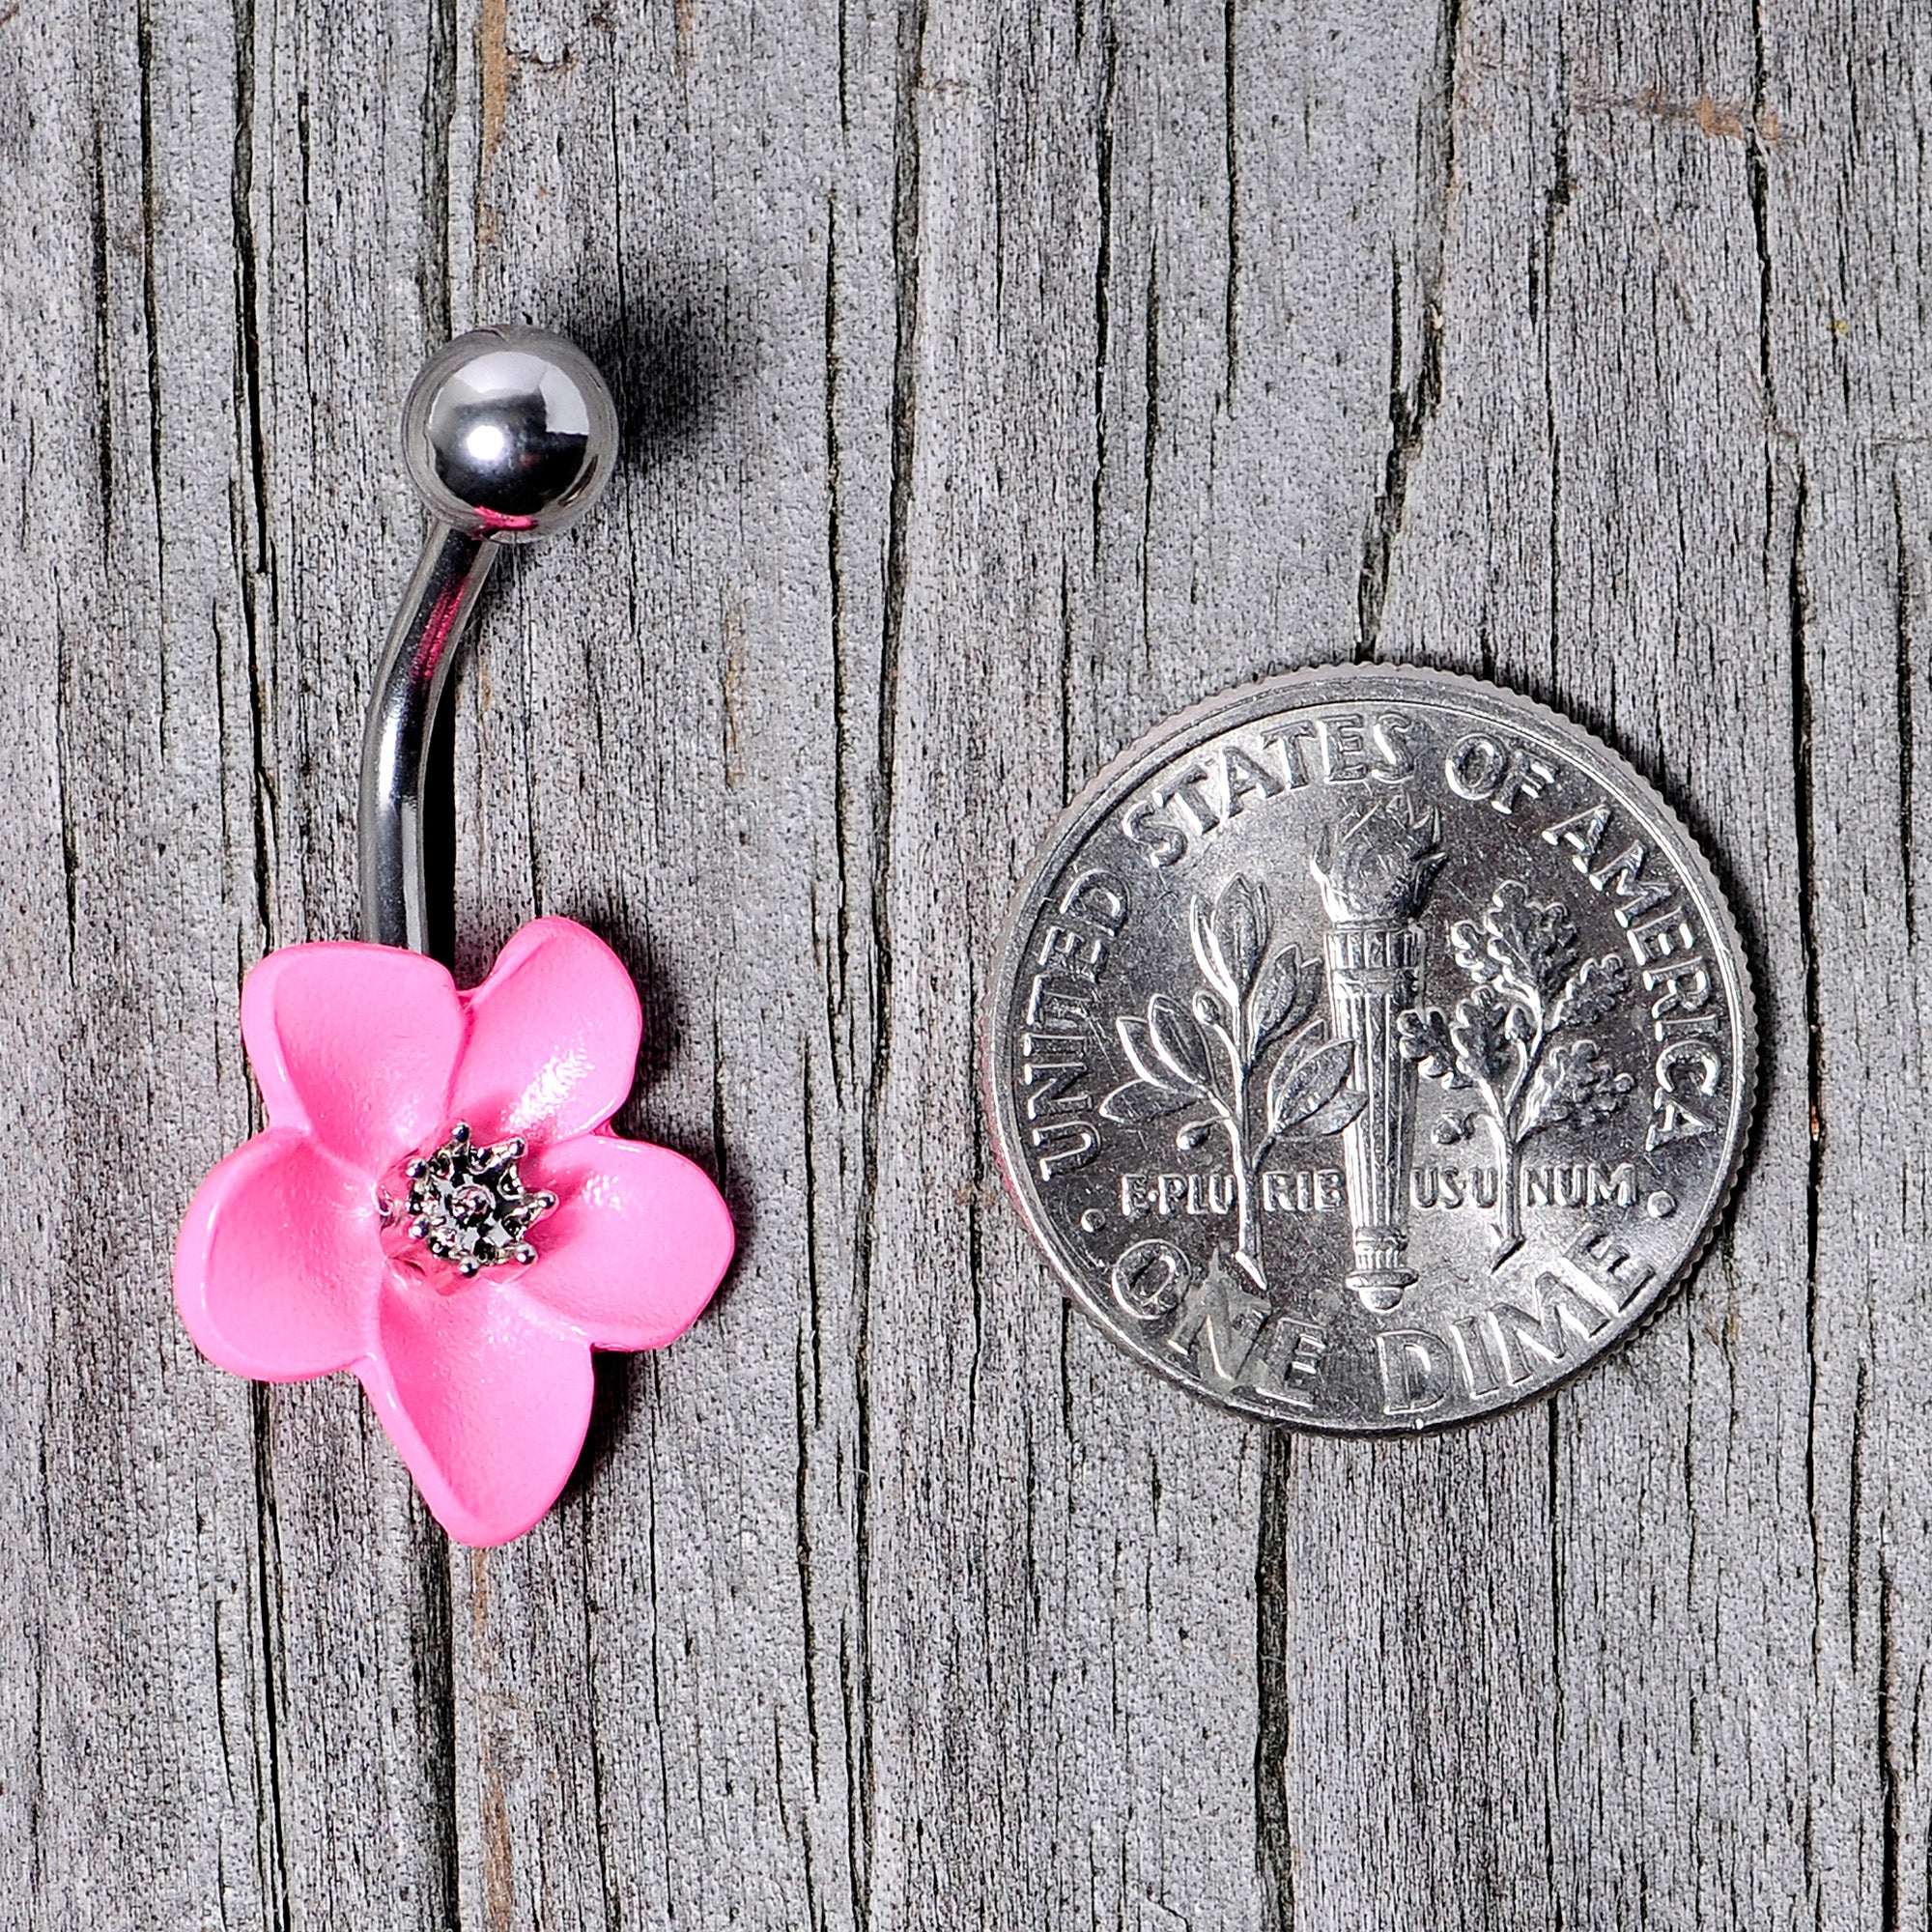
(672, 779)
(133, 1752)
(1585, 1614)
(1843, 198)
(330, 224)
(1247, 438)
(1697, 620)
(998, 381)
(1037, 1754)
(1406, 1758)
(47, 351)
(1634, 1658)
(821, 301)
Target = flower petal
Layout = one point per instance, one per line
(280, 1260)
(486, 1402)
(357, 1042)
(635, 1245)
(554, 1036)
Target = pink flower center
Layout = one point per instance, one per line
(464, 1206)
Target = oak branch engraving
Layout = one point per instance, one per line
(1516, 1039)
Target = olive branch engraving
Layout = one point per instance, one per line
(1507, 1039)
(1255, 1009)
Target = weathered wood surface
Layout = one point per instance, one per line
(997, 380)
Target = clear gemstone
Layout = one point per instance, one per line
(467, 1205)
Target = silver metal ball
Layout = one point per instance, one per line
(509, 433)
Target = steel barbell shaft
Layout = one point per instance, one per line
(414, 667)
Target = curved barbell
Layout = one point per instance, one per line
(509, 435)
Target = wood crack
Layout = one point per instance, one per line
(607, 1876)
(1413, 405)
(275, 1873)
(151, 322)
(103, 343)
(1891, 1876)
(438, 116)
(1274, 1838)
(906, 269)
(1231, 160)
(434, 1641)
(1556, 200)
(1903, 679)
(835, 570)
(1757, 184)
(1103, 275)
(1805, 818)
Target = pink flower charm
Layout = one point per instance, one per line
(437, 1203)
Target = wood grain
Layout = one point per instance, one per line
(996, 380)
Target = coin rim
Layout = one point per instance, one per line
(1170, 738)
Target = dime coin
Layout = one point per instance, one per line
(1370, 1049)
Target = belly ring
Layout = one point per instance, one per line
(436, 1200)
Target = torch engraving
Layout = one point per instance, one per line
(1376, 871)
